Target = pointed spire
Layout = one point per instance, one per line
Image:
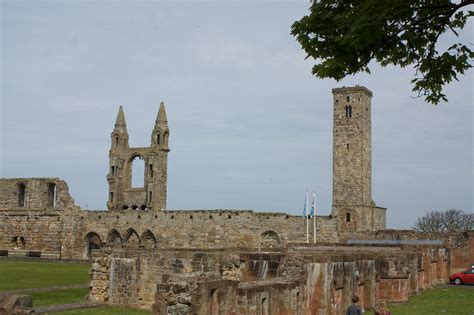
(120, 121)
(161, 117)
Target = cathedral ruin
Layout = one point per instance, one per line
(230, 261)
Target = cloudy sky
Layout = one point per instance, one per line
(250, 127)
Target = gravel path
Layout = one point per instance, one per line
(63, 307)
(46, 289)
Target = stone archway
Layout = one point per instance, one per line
(114, 239)
(270, 239)
(92, 241)
(132, 240)
(148, 240)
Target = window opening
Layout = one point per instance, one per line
(348, 111)
(138, 172)
(150, 170)
(348, 98)
(21, 195)
(158, 138)
(52, 195)
(214, 302)
(166, 137)
(265, 306)
(348, 217)
(111, 196)
(347, 145)
(150, 198)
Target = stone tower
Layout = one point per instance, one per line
(352, 161)
(152, 195)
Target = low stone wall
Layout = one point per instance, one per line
(299, 279)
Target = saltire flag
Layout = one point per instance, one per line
(311, 213)
(305, 204)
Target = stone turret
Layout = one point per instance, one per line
(160, 134)
(119, 134)
(152, 194)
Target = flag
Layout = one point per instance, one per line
(305, 204)
(311, 213)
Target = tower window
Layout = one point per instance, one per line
(158, 138)
(348, 217)
(111, 196)
(21, 195)
(348, 98)
(165, 138)
(138, 169)
(150, 198)
(347, 146)
(116, 140)
(348, 111)
(150, 170)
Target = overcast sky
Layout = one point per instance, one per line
(250, 127)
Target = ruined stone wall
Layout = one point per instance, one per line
(40, 221)
(34, 194)
(304, 279)
(130, 277)
(191, 229)
(461, 244)
(75, 230)
(31, 230)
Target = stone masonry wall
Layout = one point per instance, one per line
(34, 194)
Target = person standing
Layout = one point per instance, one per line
(354, 308)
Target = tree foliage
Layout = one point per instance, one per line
(450, 220)
(343, 36)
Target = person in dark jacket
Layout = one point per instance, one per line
(354, 308)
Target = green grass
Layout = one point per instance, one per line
(105, 310)
(59, 297)
(31, 274)
(444, 300)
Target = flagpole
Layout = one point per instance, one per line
(306, 214)
(314, 217)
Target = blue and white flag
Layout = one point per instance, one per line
(305, 205)
(311, 213)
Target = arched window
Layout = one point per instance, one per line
(52, 195)
(348, 217)
(116, 141)
(21, 195)
(166, 137)
(348, 111)
(158, 138)
(138, 172)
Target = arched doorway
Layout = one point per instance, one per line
(92, 241)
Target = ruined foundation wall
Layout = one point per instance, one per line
(131, 277)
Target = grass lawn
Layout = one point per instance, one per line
(443, 300)
(59, 297)
(31, 274)
(105, 310)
